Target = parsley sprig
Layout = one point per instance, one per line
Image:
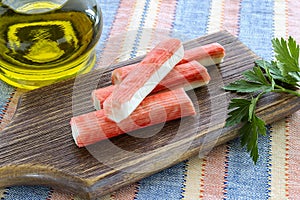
(279, 75)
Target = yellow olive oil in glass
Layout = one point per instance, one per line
(45, 41)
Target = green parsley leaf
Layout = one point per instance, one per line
(280, 75)
(296, 76)
(245, 86)
(254, 81)
(239, 113)
(274, 71)
(252, 108)
(287, 53)
(244, 112)
(249, 135)
(256, 75)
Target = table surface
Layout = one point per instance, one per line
(226, 172)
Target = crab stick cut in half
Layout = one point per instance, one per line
(189, 75)
(206, 55)
(161, 107)
(140, 82)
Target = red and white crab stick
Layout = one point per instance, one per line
(206, 55)
(157, 108)
(189, 75)
(140, 82)
(210, 54)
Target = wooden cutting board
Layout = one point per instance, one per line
(37, 148)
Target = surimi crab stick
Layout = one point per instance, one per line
(157, 108)
(206, 55)
(100, 95)
(189, 75)
(140, 82)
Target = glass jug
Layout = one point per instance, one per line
(44, 41)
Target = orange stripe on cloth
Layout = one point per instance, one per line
(163, 22)
(212, 180)
(293, 159)
(126, 193)
(123, 17)
(54, 195)
(231, 16)
(294, 19)
(213, 174)
(278, 161)
(111, 51)
(11, 108)
(205, 177)
(105, 197)
(166, 15)
(57, 195)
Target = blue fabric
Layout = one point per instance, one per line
(245, 180)
(27, 193)
(109, 11)
(5, 93)
(191, 18)
(167, 184)
(256, 26)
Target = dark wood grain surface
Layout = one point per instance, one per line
(37, 147)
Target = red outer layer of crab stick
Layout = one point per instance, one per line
(157, 108)
(100, 95)
(206, 55)
(140, 82)
(189, 75)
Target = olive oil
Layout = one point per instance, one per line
(42, 42)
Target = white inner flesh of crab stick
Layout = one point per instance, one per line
(140, 82)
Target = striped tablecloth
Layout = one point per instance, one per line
(227, 172)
